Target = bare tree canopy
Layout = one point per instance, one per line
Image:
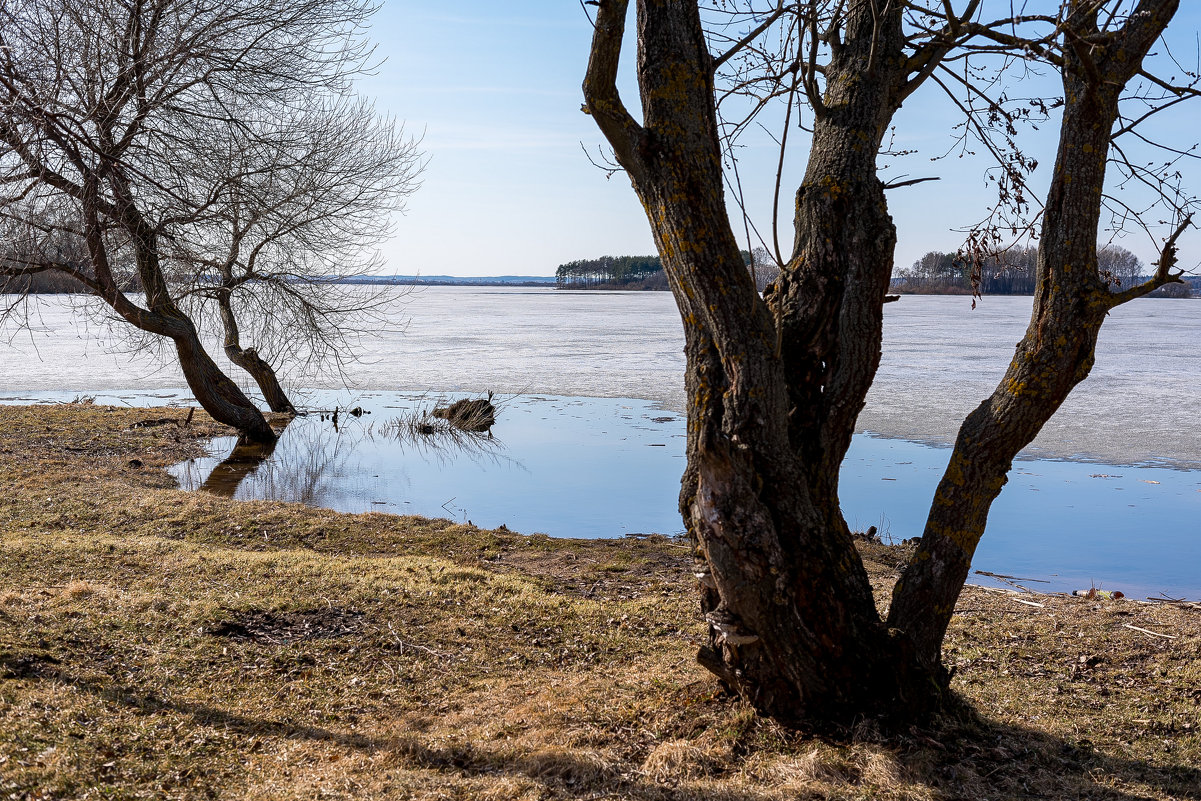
(1011, 272)
(775, 385)
(299, 205)
(117, 121)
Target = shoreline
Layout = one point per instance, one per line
(1064, 573)
(940, 360)
(873, 422)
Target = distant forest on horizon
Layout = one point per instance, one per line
(936, 273)
(644, 272)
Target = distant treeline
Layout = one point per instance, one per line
(47, 283)
(642, 272)
(609, 271)
(1014, 273)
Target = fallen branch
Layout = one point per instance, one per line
(1148, 631)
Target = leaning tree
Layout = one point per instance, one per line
(774, 384)
(109, 112)
(294, 208)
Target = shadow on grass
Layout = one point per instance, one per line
(975, 757)
(961, 758)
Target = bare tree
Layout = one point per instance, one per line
(774, 386)
(1121, 268)
(298, 207)
(108, 112)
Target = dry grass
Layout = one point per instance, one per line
(156, 644)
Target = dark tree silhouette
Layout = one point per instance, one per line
(113, 112)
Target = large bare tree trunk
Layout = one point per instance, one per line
(1071, 302)
(774, 388)
(793, 625)
(828, 301)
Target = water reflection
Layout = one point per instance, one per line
(317, 457)
(564, 466)
(245, 458)
(440, 439)
(588, 467)
(305, 465)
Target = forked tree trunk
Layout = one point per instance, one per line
(216, 393)
(264, 375)
(249, 360)
(773, 393)
(1071, 302)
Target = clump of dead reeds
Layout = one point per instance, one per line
(434, 427)
(468, 414)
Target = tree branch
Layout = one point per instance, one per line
(1163, 269)
(601, 98)
(750, 37)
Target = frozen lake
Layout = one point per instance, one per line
(568, 462)
(1142, 402)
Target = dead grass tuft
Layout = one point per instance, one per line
(817, 766)
(565, 766)
(880, 769)
(78, 590)
(675, 760)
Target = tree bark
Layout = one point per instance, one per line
(1071, 302)
(774, 387)
(793, 625)
(216, 392)
(828, 301)
(249, 360)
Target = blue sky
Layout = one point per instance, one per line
(494, 89)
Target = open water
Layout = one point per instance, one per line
(1110, 495)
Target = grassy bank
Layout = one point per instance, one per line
(159, 644)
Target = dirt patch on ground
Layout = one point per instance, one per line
(611, 569)
(280, 628)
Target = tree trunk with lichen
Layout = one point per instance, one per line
(774, 386)
(793, 624)
(1071, 302)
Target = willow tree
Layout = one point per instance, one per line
(110, 114)
(774, 385)
(294, 208)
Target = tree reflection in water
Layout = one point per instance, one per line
(316, 462)
(246, 457)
